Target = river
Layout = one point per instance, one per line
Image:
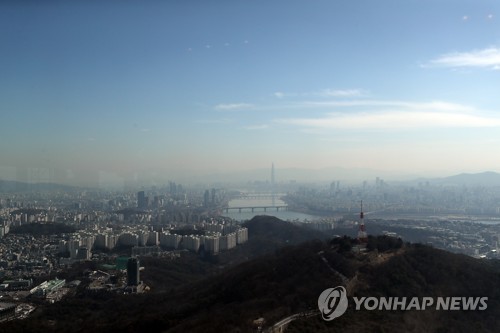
(247, 214)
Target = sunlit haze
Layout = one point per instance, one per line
(120, 91)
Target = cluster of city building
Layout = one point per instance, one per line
(109, 278)
(28, 255)
(54, 290)
(106, 220)
(22, 255)
(161, 220)
(147, 221)
(172, 203)
(213, 237)
(420, 198)
(18, 290)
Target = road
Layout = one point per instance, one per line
(281, 325)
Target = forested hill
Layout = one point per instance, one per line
(289, 281)
(268, 233)
(50, 228)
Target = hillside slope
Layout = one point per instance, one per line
(287, 281)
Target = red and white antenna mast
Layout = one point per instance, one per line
(362, 236)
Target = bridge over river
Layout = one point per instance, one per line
(257, 207)
(251, 202)
(258, 196)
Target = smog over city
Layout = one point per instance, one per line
(249, 166)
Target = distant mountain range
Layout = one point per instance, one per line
(9, 186)
(344, 175)
(488, 178)
(353, 176)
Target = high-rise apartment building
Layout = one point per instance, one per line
(133, 278)
(142, 200)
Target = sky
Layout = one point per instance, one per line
(98, 92)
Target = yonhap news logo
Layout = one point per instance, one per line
(333, 303)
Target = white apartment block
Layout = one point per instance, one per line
(191, 243)
(170, 240)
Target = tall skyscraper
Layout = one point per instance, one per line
(213, 196)
(272, 174)
(133, 278)
(206, 199)
(142, 201)
(272, 185)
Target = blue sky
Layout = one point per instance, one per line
(112, 89)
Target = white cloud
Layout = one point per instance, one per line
(394, 120)
(279, 94)
(489, 57)
(233, 106)
(433, 105)
(397, 115)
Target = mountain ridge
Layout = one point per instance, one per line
(18, 186)
(486, 178)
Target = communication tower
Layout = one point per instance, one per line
(362, 236)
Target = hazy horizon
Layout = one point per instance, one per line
(105, 180)
(96, 93)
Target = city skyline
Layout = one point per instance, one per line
(109, 93)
